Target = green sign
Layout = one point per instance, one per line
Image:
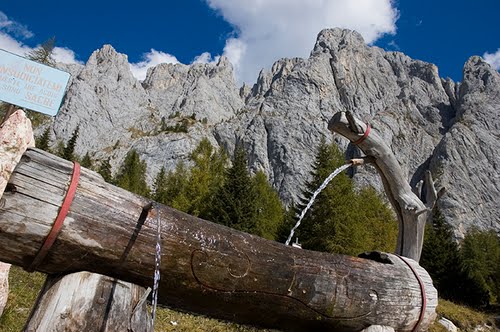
(30, 84)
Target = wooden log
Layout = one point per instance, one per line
(87, 301)
(411, 211)
(205, 267)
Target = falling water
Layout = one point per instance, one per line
(323, 186)
(157, 266)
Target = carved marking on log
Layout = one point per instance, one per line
(343, 301)
(220, 287)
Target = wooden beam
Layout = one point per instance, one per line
(205, 267)
(87, 301)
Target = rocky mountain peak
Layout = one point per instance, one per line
(107, 56)
(429, 122)
(478, 76)
(331, 40)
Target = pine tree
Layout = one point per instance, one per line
(60, 147)
(270, 213)
(105, 171)
(43, 53)
(330, 225)
(132, 174)
(192, 190)
(377, 219)
(86, 161)
(233, 204)
(69, 149)
(480, 253)
(343, 220)
(206, 177)
(176, 189)
(42, 142)
(440, 256)
(159, 185)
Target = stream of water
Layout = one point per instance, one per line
(311, 201)
(157, 266)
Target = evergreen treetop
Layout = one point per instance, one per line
(69, 149)
(43, 53)
(269, 215)
(234, 202)
(42, 142)
(105, 170)
(132, 174)
(86, 161)
(343, 220)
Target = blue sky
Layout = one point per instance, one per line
(252, 34)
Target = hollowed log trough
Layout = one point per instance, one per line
(205, 267)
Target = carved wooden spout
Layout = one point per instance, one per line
(412, 213)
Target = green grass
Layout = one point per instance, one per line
(466, 319)
(170, 320)
(24, 288)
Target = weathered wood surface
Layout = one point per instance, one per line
(85, 301)
(408, 203)
(206, 268)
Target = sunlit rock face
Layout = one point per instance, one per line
(451, 128)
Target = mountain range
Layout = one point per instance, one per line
(450, 128)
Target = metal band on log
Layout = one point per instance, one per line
(206, 268)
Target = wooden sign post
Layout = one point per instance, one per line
(30, 84)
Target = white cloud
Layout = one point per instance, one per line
(272, 29)
(235, 50)
(10, 44)
(151, 59)
(493, 59)
(13, 27)
(65, 55)
(206, 57)
(394, 45)
(60, 54)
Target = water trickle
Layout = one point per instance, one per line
(311, 201)
(157, 266)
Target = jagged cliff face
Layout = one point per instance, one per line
(430, 123)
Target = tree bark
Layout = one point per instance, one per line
(411, 211)
(87, 301)
(205, 267)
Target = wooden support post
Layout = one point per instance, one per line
(87, 301)
(410, 209)
(205, 267)
(16, 135)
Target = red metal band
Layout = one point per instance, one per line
(61, 216)
(422, 292)
(365, 135)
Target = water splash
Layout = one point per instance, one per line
(311, 201)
